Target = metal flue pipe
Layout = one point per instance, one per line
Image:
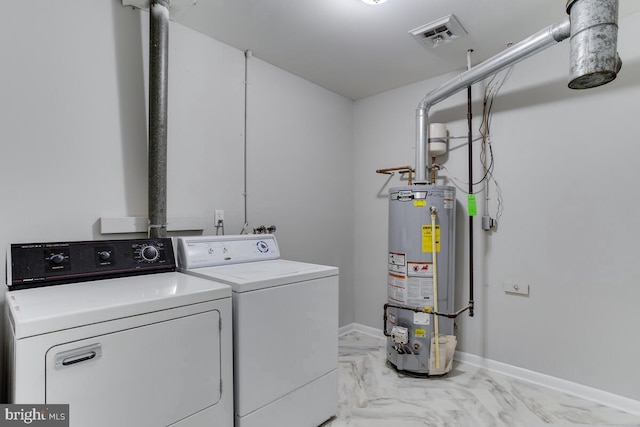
(593, 27)
(516, 53)
(158, 79)
(594, 43)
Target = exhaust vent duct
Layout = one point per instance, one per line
(158, 89)
(437, 33)
(176, 7)
(594, 40)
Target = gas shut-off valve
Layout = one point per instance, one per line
(400, 335)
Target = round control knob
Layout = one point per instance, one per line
(263, 247)
(105, 255)
(149, 253)
(57, 259)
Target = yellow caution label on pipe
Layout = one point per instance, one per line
(426, 238)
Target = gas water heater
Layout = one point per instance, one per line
(420, 277)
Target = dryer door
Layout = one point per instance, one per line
(153, 375)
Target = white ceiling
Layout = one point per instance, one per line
(358, 50)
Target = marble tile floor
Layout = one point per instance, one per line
(372, 394)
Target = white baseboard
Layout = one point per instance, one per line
(367, 330)
(611, 400)
(582, 391)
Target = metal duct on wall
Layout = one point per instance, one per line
(594, 39)
(516, 53)
(598, 22)
(158, 82)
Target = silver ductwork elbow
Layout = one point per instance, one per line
(593, 42)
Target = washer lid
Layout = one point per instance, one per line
(264, 274)
(43, 310)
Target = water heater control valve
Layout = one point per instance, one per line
(400, 335)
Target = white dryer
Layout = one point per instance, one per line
(285, 328)
(144, 346)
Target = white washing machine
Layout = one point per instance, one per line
(143, 346)
(285, 328)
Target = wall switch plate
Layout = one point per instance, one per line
(516, 288)
(219, 216)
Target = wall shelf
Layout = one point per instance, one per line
(136, 224)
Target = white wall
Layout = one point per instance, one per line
(300, 153)
(566, 161)
(74, 124)
(73, 129)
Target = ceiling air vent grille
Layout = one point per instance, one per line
(439, 32)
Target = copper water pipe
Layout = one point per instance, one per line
(401, 169)
(433, 170)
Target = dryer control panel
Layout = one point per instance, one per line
(54, 263)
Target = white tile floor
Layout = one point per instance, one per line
(374, 395)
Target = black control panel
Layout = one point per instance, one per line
(44, 264)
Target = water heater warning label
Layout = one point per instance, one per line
(420, 269)
(449, 199)
(409, 282)
(421, 319)
(397, 263)
(397, 288)
(420, 291)
(427, 244)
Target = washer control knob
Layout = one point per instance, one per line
(104, 255)
(263, 247)
(57, 259)
(149, 253)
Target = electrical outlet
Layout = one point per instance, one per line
(516, 288)
(219, 216)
